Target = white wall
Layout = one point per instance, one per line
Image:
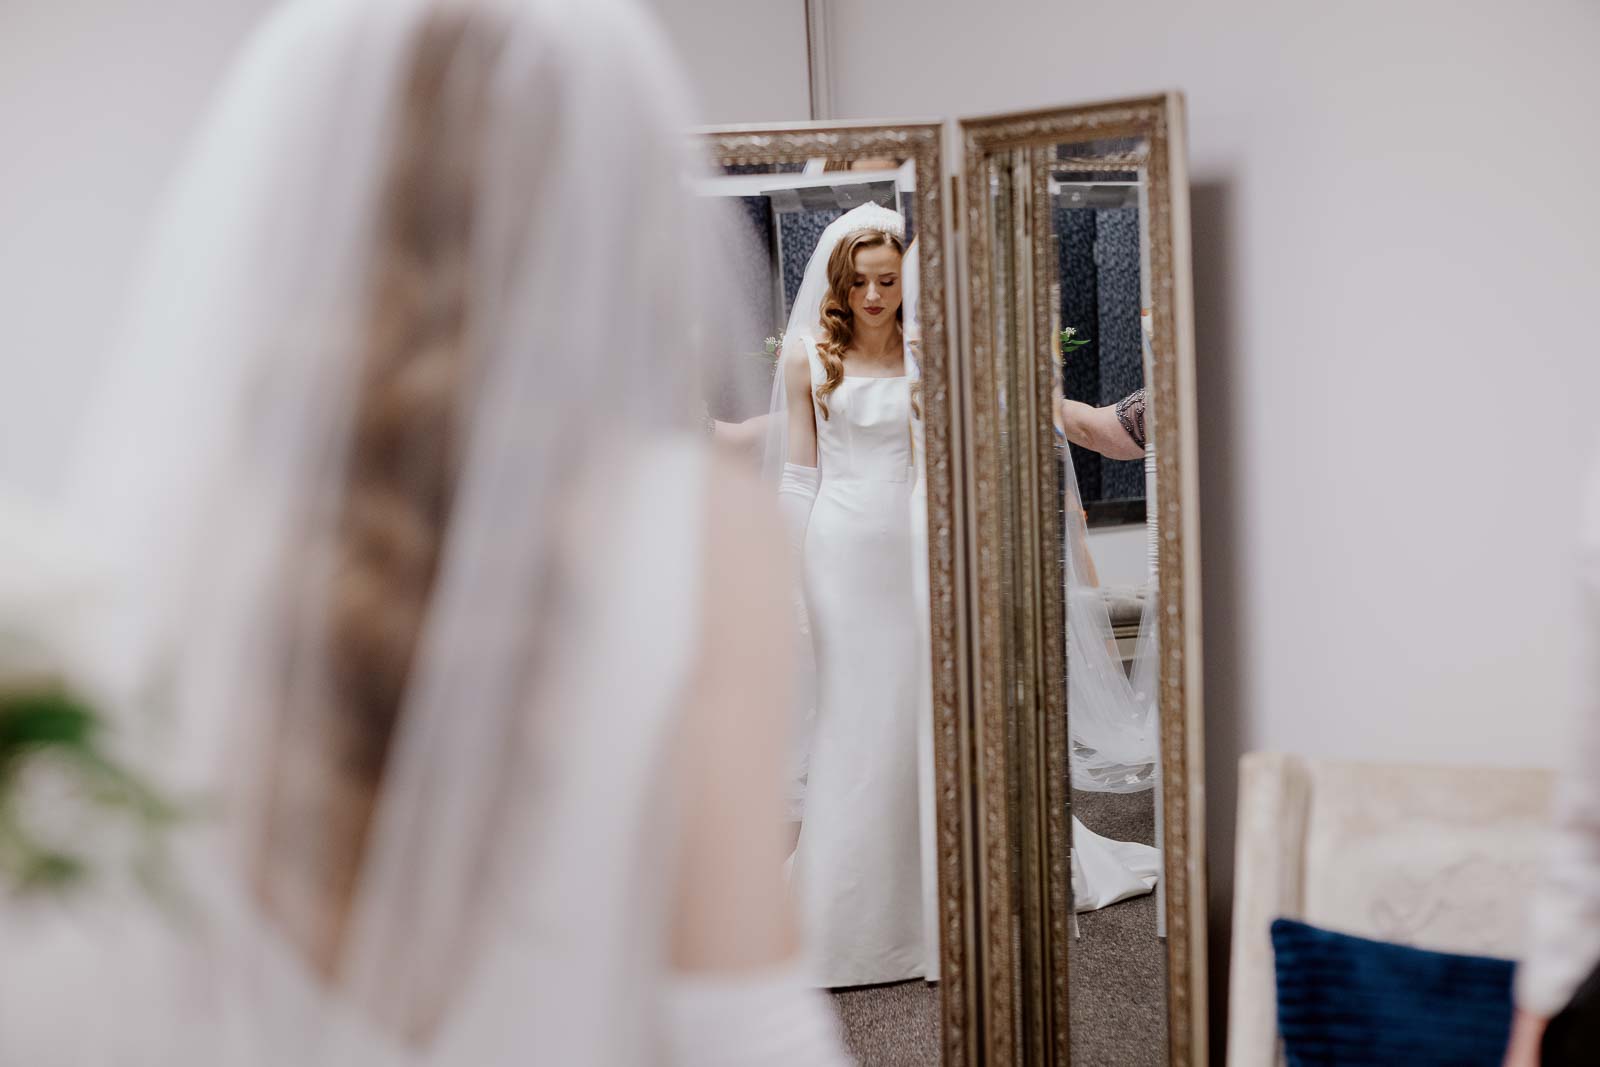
(747, 57)
(1121, 554)
(1395, 267)
(97, 98)
(97, 101)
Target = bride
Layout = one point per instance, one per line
(844, 417)
(470, 686)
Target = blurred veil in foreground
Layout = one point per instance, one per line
(400, 472)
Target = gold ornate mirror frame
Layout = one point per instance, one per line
(1021, 790)
(961, 985)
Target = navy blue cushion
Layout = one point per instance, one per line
(1346, 1000)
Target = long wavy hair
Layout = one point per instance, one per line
(838, 321)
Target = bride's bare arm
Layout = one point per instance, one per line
(732, 909)
(802, 417)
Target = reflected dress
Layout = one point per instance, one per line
(858, 862)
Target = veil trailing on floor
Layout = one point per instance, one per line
(1112, 716)
(1112, 712)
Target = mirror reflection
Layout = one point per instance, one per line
(1101, 334)
(824, 398)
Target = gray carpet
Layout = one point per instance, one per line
(1118, 978)
(891, 1025)
(1119, 966)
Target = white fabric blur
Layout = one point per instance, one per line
(580, 933)
(512, 898)
(1564, 919)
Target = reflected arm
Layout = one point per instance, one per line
(743, 439)
(802, 415)
(1097, 429)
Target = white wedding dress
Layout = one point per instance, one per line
(858, 867)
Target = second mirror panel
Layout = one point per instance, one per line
(1091, 200)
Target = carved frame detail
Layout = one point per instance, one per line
(1029, 139)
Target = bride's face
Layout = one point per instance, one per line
(875, 290)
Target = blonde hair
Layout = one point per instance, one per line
(838, 322)
(400, 480)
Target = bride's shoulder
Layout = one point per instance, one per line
(798, 348)
(798, 357)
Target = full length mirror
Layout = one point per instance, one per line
(839, 396)
(1081, 350)
(1096, 203)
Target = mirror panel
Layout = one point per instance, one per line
(1080, 337)
(840, 390)
(1091, 199)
